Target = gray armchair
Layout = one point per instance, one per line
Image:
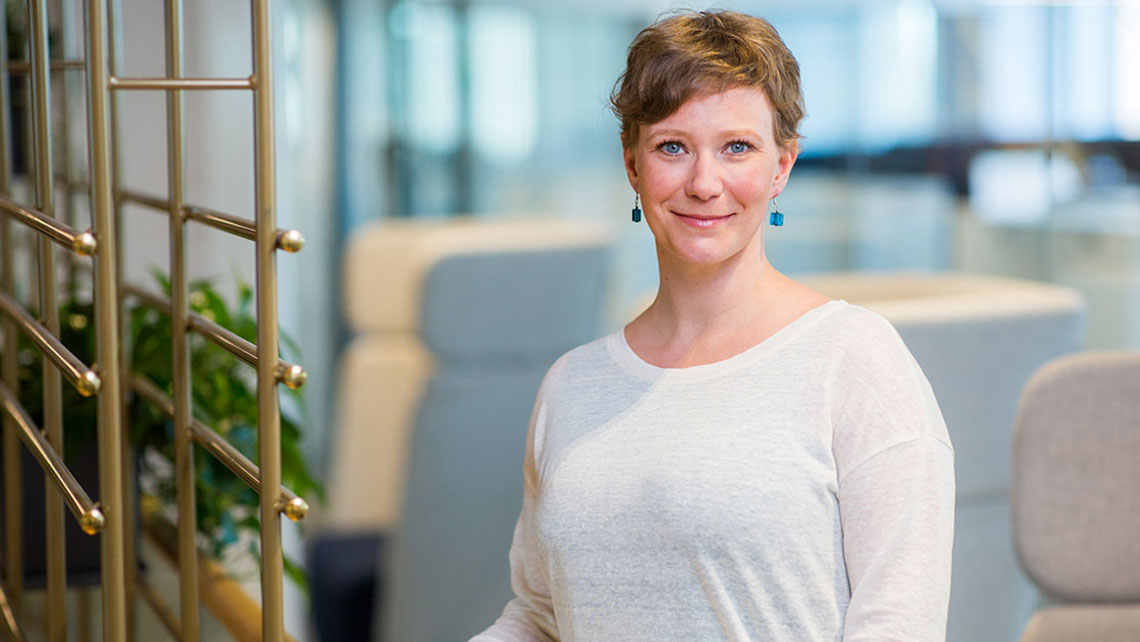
(456, 322)
(1076, 497)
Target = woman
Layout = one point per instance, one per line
(746, 460)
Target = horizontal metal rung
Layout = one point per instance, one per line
(288, 240)
(292, 375)
(23, 66)
(159, 606)
(146, 200)
(85, 511)
(84, 379)
(82, 243)
(182, 83)
(290, 504)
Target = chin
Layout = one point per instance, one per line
(703, 254)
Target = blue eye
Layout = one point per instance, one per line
(738, 147)
(671, 147)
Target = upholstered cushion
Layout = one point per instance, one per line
(912, 297)
(380, 383)
(1084, 623)
(496, 289)
(1076, 478)
(448, 567)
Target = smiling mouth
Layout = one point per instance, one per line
(702, 221)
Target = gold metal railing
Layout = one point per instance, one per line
(107, 381)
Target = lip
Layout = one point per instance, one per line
(703, 222)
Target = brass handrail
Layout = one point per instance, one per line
(86, 512)
(290, 374)
(82, 243)
(288, 240)
(182, 83)
(84, 379)
(292, 506)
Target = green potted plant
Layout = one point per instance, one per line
(224, 395)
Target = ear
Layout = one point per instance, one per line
(788, 155)
(630, 165)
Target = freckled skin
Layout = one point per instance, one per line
(705, 174)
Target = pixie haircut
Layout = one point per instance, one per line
(693, 54)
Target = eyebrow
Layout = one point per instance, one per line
(727, 134)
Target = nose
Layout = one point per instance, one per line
(705, 181)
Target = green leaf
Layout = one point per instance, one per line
(223, 395)
(161, 277)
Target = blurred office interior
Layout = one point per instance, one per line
(987, 138)
(993, 138)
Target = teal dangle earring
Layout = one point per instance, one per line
(776, 219)
(636, 207)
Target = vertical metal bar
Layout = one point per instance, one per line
(268, 408)
(180, 358)
(13, 483)
(130, 521)
(107, 327)
(67, 34)
(55, 614)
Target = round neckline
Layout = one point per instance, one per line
(620, 349)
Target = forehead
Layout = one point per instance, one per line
(736, 108)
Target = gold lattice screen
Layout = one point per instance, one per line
(109, 517)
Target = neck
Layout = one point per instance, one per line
(717, 300)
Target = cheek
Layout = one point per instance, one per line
(660, 179)
(750, 186)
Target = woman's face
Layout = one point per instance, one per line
(705, 174)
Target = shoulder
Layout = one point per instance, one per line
(881, 394)
(589, 358)
(859, 341)
(867, 349)
(859, 329)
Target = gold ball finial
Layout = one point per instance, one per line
(92, 521)
(88, 384)
(293, 376)
(85, 244)
(291, 241)
(296, 509)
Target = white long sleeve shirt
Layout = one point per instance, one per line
(800, 490)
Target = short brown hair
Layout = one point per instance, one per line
(692, 53)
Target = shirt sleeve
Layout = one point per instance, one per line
(897, 512)
(529, 617)
(896, 492)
